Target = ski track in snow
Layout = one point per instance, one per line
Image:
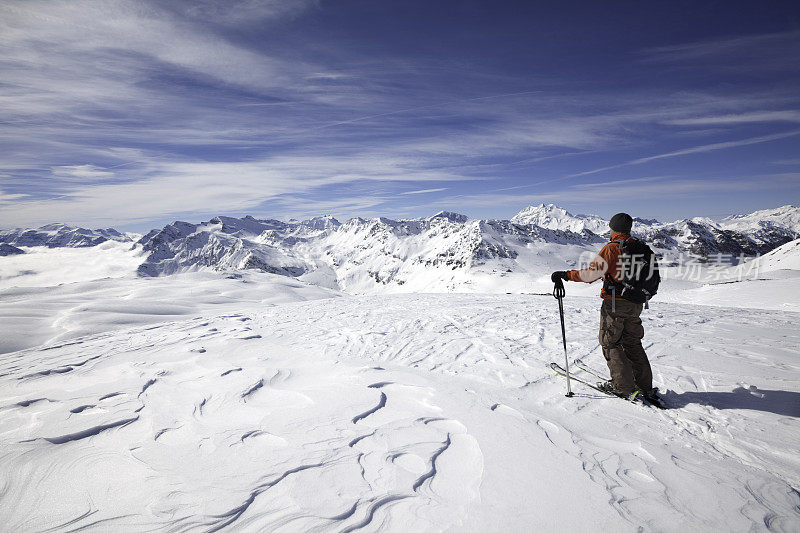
(405, 413)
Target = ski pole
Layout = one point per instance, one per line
(558, 293)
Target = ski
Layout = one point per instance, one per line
(639, 400)
(558, 369)
(658, 403)
(579, 364)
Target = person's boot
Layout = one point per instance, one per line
(652, 397)
(652, 394)
(607, 386)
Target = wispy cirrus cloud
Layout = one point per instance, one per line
(127, 111)
(123, 38)
(81, 173)
(425, 191)
(742, 118)
(694, 150)
(175, 189)
(762, 51)
(238, 12)
(626, 192)
(6, 198)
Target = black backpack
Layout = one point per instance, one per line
(640, 275)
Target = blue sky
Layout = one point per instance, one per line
(133, 113)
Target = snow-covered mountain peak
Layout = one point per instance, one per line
(644, 221)
(322, 222)
(240, 227)
(551, 216)
(7, 249)
(446, 251)
(704, 220)
(61, 235)
(543, 210)
(449, 215)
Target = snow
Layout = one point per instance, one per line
(42, 266)
(58, 235)
(404, 412)
(768, 292)
(445, 252)
(768, 282)
(786, 257)
(336, 398)
(787, 216)
(551, 216)
(58, 314)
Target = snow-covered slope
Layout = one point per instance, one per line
(41, 266)
(225, 398)
(61, 235)
(387, 413)
(786, 257)
(786, 217)
(37, 314)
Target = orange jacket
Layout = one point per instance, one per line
(606, 261)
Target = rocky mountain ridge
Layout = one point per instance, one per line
(61, 235)
(445, 250)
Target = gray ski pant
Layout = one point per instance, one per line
(621, 333)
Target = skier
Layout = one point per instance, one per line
(621, 329)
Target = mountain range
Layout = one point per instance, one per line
(60, 235)
(445, 250)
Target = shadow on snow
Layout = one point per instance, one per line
(772, 401)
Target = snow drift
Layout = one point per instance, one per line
(245, 392)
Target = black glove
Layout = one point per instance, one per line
(559, 275)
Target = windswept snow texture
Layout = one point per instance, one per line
(399, 413)
(276, 380)
(31, 316)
